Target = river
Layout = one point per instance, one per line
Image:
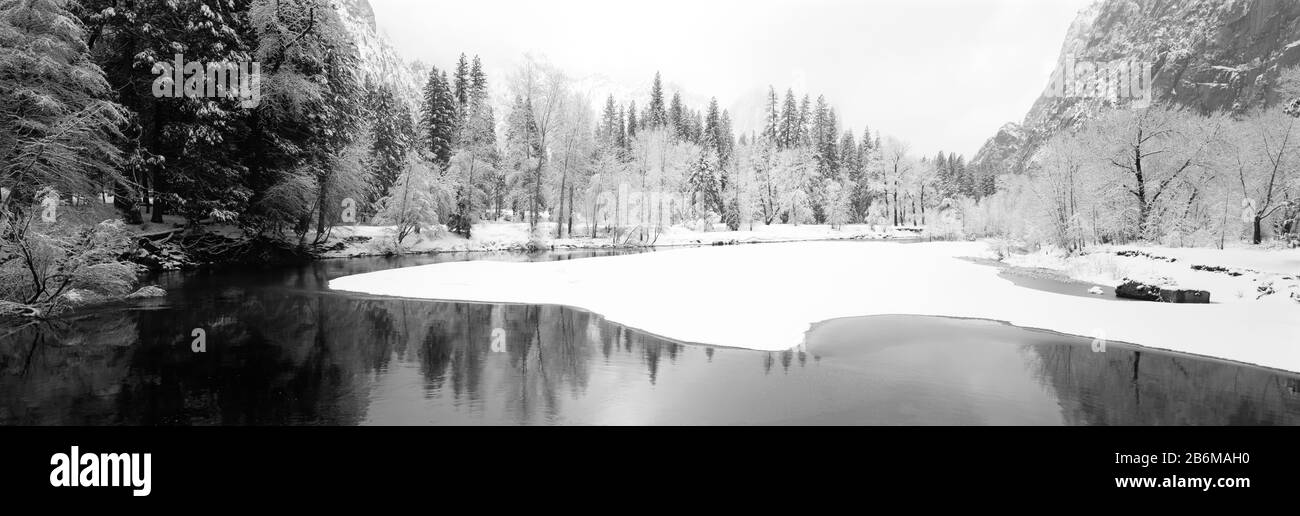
(281, 348)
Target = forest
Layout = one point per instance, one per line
(95, 156)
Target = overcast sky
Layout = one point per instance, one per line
(940, 74)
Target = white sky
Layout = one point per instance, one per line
(941, 74)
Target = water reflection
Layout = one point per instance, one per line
(282, 349)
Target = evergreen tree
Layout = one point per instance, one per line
(461, 84)
(697, 127)
(620, 135)
(186, 157)
(481, 102)
(677, 117)
(712, 127)
(830, 155)
(772, 120)
(478, 81)
(943, 174)
(849, 162)
(610, 124)
(437, 118)
(391, 137)
(805, 122)
(657, 116)
(703, 182)
(632, 125)
(726, 140)
(789, 136)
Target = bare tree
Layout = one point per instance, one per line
(1265, 163)
(544, 87)
(1153, 148)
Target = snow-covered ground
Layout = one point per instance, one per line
(496, 236)
(766, 296)
(1236, 273)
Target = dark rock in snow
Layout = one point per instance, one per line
(1137, 290)
(1131, 289)
(1184, 296)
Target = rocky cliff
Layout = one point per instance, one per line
(1208, 55)
(380, 62)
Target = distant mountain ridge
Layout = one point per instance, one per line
(1208, 55)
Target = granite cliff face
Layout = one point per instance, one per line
(380, 62)
(1208, 55)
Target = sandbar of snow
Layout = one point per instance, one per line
(765, 297)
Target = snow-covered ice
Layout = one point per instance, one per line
(766, 296)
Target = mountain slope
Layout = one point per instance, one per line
(1208, 55)
(380, 62)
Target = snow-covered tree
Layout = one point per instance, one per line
(438, 117)
(416, 199)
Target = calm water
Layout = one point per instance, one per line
(283, 349)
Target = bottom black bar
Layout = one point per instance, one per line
(304, 464)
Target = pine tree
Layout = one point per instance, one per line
(805, 122)
(697, 127)
(606, 131)
(478, 80)
(830, 155)
(727, 139)
(676, 117)
(943, 173)
(461, 84)
(789, 137)
(817, 129)
(480, 98)
(186, 158)
(703, 183)
(772, 120)
(438, 117)
(712, 127)
(632, 125)
(848, 151)
(392, 134)
(657, 116)
(620, 129)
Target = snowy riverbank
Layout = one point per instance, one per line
(504, 236)
(1236, 274)
(766, 297)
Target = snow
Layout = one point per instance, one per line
(765, 297)
(1279, 268)
(494, 236)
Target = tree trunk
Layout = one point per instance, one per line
(157, 186)
(559, 213)
(1258, 233)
